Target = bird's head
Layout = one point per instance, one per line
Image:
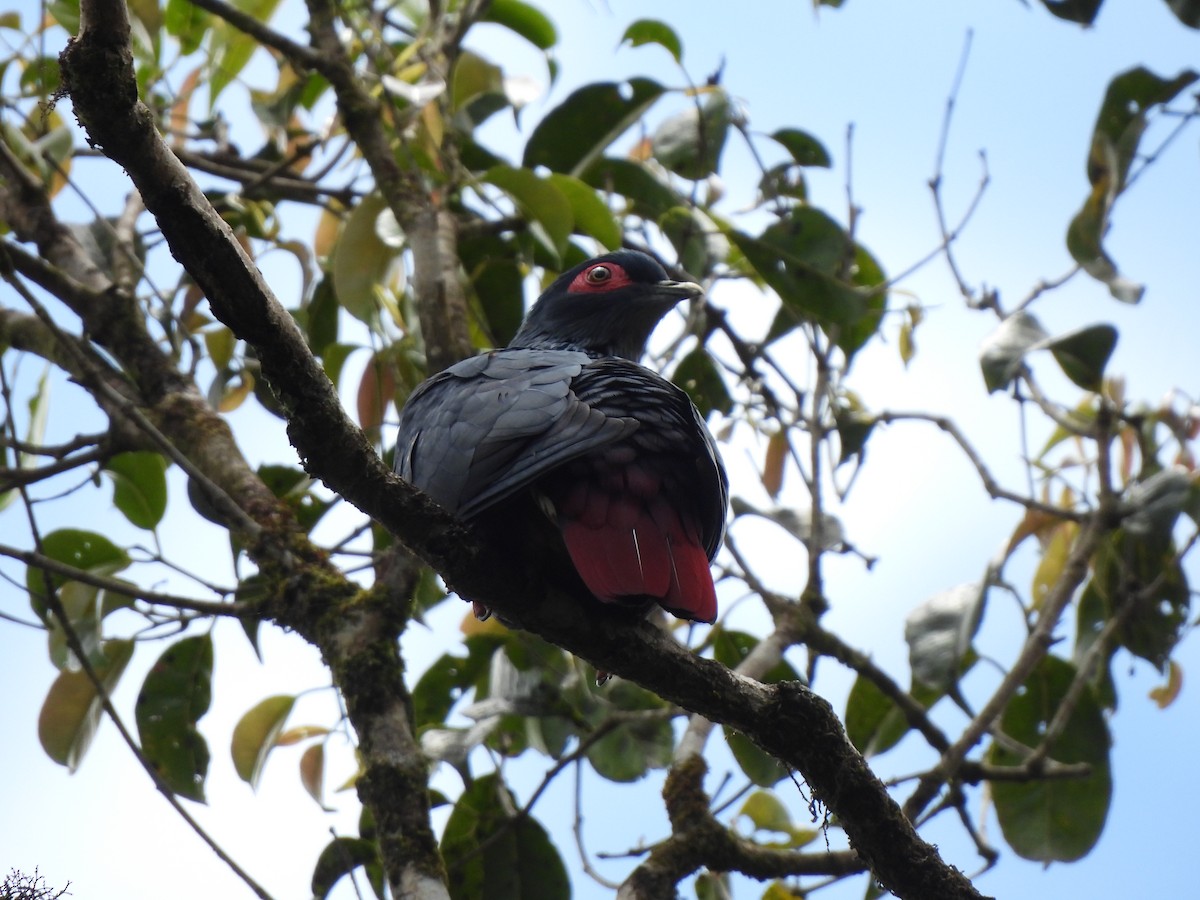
(606, 306)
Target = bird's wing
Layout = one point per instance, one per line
(491, 425)
(671, 431)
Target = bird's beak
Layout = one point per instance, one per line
(679, 289)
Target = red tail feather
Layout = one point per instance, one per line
(635, 549)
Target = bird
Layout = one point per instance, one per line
(565, 424)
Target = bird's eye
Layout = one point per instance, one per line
(598, 274)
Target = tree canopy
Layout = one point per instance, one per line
(158, 347)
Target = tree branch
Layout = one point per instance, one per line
(786, 719)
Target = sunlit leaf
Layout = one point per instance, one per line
(690, 143)
(174, 696)
(939, 633)
(363, 261)
(71, 712)
(1003, 351)
(476, 89)
(1153, 505)
(539, 199)
(254, 736)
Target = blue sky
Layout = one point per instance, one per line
(1029, 98)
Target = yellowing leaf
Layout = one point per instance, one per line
(71, 711)
(256, 733)
(1164, 695)
(1054, 559)
(312, 772)
(363, 261)
(773, 464)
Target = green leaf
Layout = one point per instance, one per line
(632, 749)
(294, 487)
(83, 550)
(175, 695)
(1082, 354)
(1187, 11)
(492, 266)
(539, 200)
(319, 318)
(1089, 624)
(1081, 11)
(591, 213)
(796, 258)
(758, 765)
(255, 734)
(72, 709)
(1003, 351)
(1142, 568)
(767, 813)
(450, 676)
(187, 22)
(854, 426)
(939, 634)
(580, 129)
(730, 647)
(65, 13)
(690, 143)
(341, 856)
(231, 49)
(1058, 819)
(39, 412)
(652, 31)
(517, 861)
(1152, 505)
(525, 20)
(649, 198)
(139, 486)
(476, 90)
(699, 376)
(698, 240)
(363, 261)
(805, 149)
(1118, 131)
(874, 724)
